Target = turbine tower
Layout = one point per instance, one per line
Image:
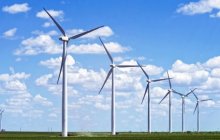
(183, 96)
(197, 108)
(170, 102)
(1, 113)
(147, 90)
(112, 72)
(65, 39)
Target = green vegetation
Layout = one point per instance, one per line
(107, 136)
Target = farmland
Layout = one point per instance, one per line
(107, 136)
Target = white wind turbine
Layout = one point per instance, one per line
(1, 113)
(65, 39)
(147, 90)
(170, 102)
(197, 108)
(112, 72)
(183, 96)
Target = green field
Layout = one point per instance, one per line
(107, 136)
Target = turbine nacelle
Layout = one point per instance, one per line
(64, 38)
(149, 81)
(113, 65)
(170, 90)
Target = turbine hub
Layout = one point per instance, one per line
(149, 81)
(113, 65)
(64, 38)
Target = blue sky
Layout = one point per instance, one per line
(181, 37)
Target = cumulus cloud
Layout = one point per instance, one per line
(16, 8)
(44, 43)
(56, 62)
(42, 100)
(38, 45)
(97, 48)
(200, 7)
(10, 33)
(105, 31)
(55, 13)
(213, 62)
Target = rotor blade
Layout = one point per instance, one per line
(59, 27)
(178, 93)
(110, 57)
(191, 91)
(206, 100)
(126, 66)
(147, 88)
(84, 33)
(169, 80)
(143, 70)
(156, 80)
(195, 95)
(61, 66)
(165, 96)
(109, 73)
(195, 108)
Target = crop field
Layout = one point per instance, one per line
(107, 136)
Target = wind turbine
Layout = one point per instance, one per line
(183, 96)
(1, 113)
(170, 102)
(197, 107)
(65, 39)
(112, 72)
(147, 90)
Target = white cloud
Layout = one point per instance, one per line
(42, 100)
(47, 24)
(16, 8)
(102, 106)
(42, 14)
(213, 62)
(97, 48)
(215, 72)
(15, 85)
(102, 32)
(200, 7)
(50, 33)
(43, 80)
(188, 74)
(43, 43)
(38, 45)
(10, 33)
(56, 62)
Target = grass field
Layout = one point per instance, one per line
(107, 136)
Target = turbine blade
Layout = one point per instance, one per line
(165, 96)
(147, 88)
(61, 66)
(126, 66)
(109, 73)
(110, 57)
(195, 95)
(169, 80)
(84, 33)
(143, 70)
(191, 91)
(178, 93)
(156, 80)
(195, 108)
(206, 100)
(59, 27)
